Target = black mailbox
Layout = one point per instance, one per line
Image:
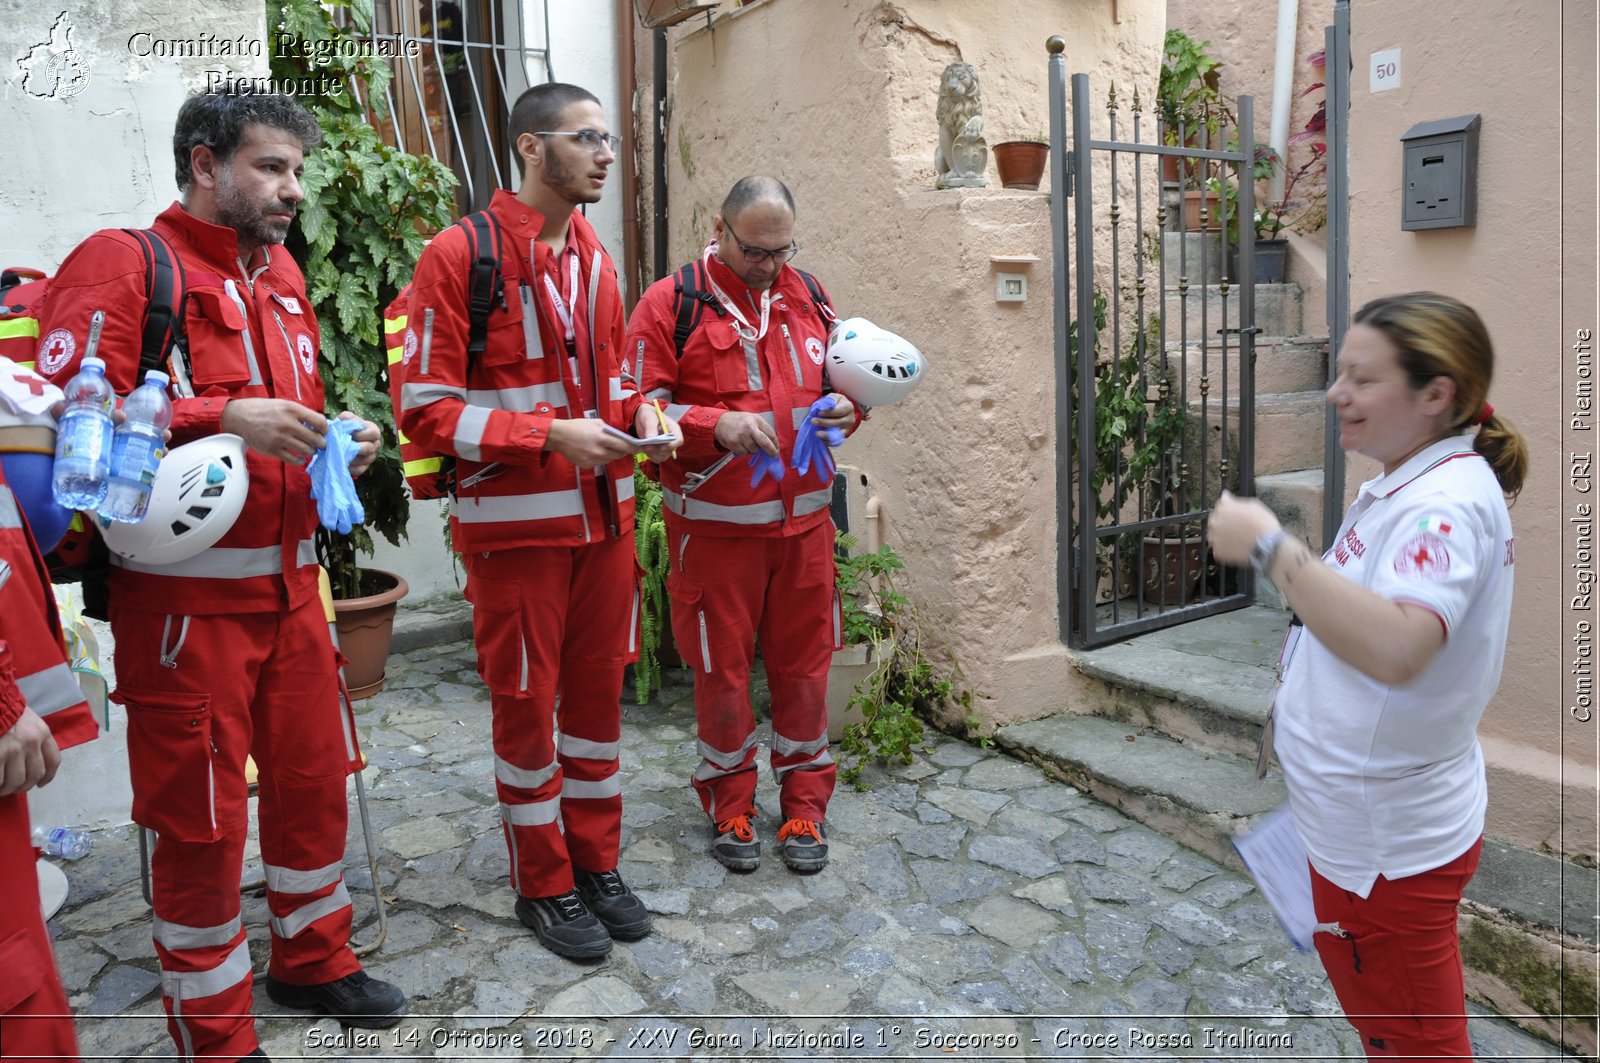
(1440, 177)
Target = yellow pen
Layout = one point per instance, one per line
(661, 416)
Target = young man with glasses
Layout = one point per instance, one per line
(751, 555)
(543, 512)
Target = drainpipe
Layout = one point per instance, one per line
(1282, 84)
(874, 529)
(627, 88)
(659, 122)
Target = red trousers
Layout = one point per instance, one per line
(1397, 966)
(34, 1020)
(203, 692)
(727, 592)
(555, 626)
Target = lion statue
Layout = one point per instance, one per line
(962, 158)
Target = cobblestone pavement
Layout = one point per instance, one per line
(974, 909)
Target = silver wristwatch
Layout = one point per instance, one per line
(1265, 549)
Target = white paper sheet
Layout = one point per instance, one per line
(1277, 860)
(647, 441)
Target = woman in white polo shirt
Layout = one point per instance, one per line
(1405, 624)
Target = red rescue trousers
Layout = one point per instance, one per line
(34, 1020)
(203, 692)
(1396, 962)
(727, 592)
(555, 626)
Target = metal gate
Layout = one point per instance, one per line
(1154, 323)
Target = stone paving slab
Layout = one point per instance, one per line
(974, 909)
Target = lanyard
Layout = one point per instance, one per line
(561, 306)
(748, 331)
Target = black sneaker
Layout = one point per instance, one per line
(737, 847)
(565, 926)
(613, 903)
(356, 1000)
(802, 845)
(257, 1054)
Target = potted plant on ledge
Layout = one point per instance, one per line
(358, 233)
(1021, 162)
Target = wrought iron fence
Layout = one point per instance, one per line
(1154, 337)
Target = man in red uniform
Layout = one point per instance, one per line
(42, 712)
(543, 512)
(750, 559)
(227, 654)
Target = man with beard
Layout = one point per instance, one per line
(530, 406)
(227, 654)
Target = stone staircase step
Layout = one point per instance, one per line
(1288, 429)
(1204, 683)
(1284, 364)
(1296, 497)
(1280, 309)
(1197, 798)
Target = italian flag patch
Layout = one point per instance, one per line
(1433, 524)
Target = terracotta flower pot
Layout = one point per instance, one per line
(1021, 163)
(1172, 568)
(365, 626)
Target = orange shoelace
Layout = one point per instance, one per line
(739, 827)
(800, 826)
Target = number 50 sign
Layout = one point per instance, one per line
(1386, 70)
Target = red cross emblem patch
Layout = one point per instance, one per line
(1423, 556)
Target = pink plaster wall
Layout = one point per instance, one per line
(1528, 68)
(838, 100)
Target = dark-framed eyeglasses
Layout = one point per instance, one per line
(591, 139)
(757, 255)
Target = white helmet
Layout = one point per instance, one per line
(873, 367)
(197, 495)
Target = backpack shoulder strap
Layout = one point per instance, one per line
(692, 299)
(165, 289)
(819, 298)
(486, 285)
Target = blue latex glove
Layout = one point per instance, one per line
(811, 449)
(338, 508)
(765, 465)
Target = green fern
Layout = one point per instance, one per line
(650, 543)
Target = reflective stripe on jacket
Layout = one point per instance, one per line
(33, 659)
(494, 411)
(778, 377)
(251, 334)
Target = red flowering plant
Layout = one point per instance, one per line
(1309, 214)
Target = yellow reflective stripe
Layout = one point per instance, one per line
(420, 466)
(19, 328)
(391, 325)
(404, 439)
(396, 354)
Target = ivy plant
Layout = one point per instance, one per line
(650, 543)
(907, 686)
(365, 219)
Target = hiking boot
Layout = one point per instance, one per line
(613, 903)
(736, 847)
(257, 1054)
(565, 926)
(356, 1000)
(802, 847)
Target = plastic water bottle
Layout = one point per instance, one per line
(64, 842)
(83, 439)
(137, 449)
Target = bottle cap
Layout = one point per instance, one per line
(158, 378)
(98, 363)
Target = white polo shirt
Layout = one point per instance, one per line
(1388, 779)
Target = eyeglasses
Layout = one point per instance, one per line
(591, 139)
(756, 255)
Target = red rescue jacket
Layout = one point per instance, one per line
(251, 335)
(779, 378)
(33, 657)
(493, 412)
